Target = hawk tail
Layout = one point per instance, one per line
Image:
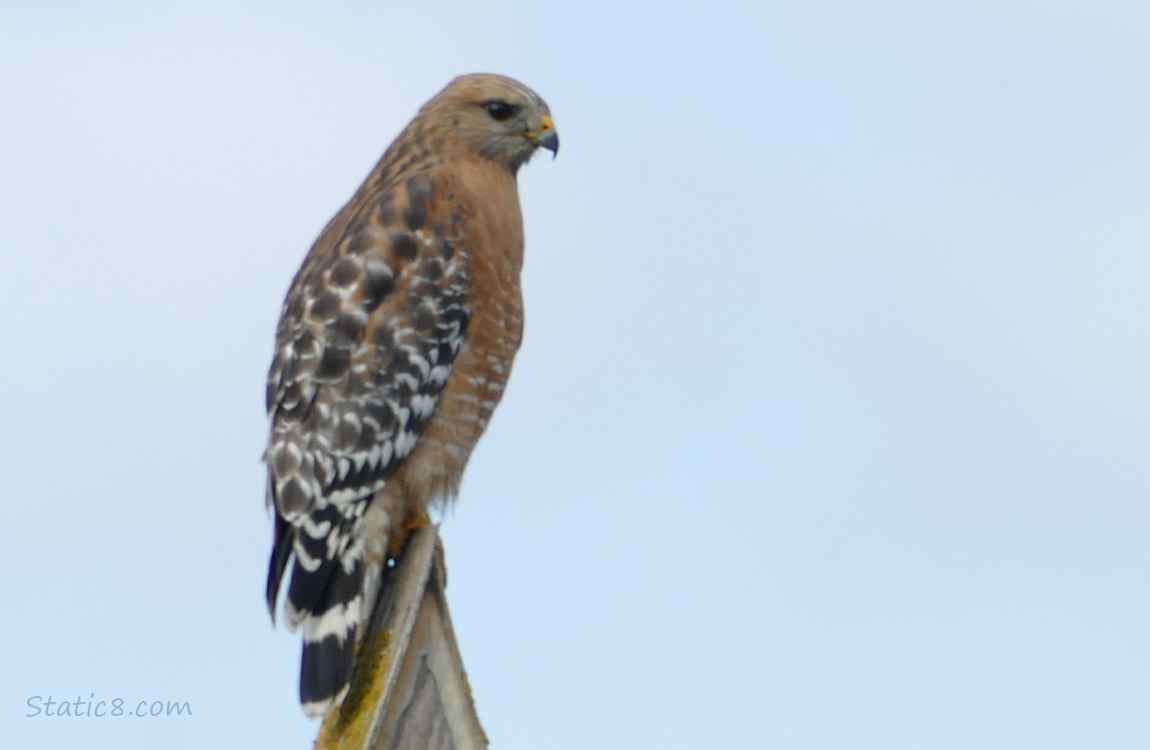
(330, 625)
(325, 601)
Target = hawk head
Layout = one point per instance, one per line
(496, 117)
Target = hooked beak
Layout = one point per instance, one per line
(546, 137)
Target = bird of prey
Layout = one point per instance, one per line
(394, 346)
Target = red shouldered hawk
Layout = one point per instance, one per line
(394, 346)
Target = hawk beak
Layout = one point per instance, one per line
(546, 137)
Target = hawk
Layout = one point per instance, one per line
(393, 349)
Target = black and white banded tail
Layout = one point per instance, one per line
(326, 604)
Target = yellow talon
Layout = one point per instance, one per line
(413, 523)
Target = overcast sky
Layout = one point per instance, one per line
(830, 427)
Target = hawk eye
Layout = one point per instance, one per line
(500, 110)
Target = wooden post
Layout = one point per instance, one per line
(409, 690)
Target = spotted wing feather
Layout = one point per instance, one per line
(369, 331)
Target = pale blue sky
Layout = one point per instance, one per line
(830, 428)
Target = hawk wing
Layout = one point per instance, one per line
(369, 331)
